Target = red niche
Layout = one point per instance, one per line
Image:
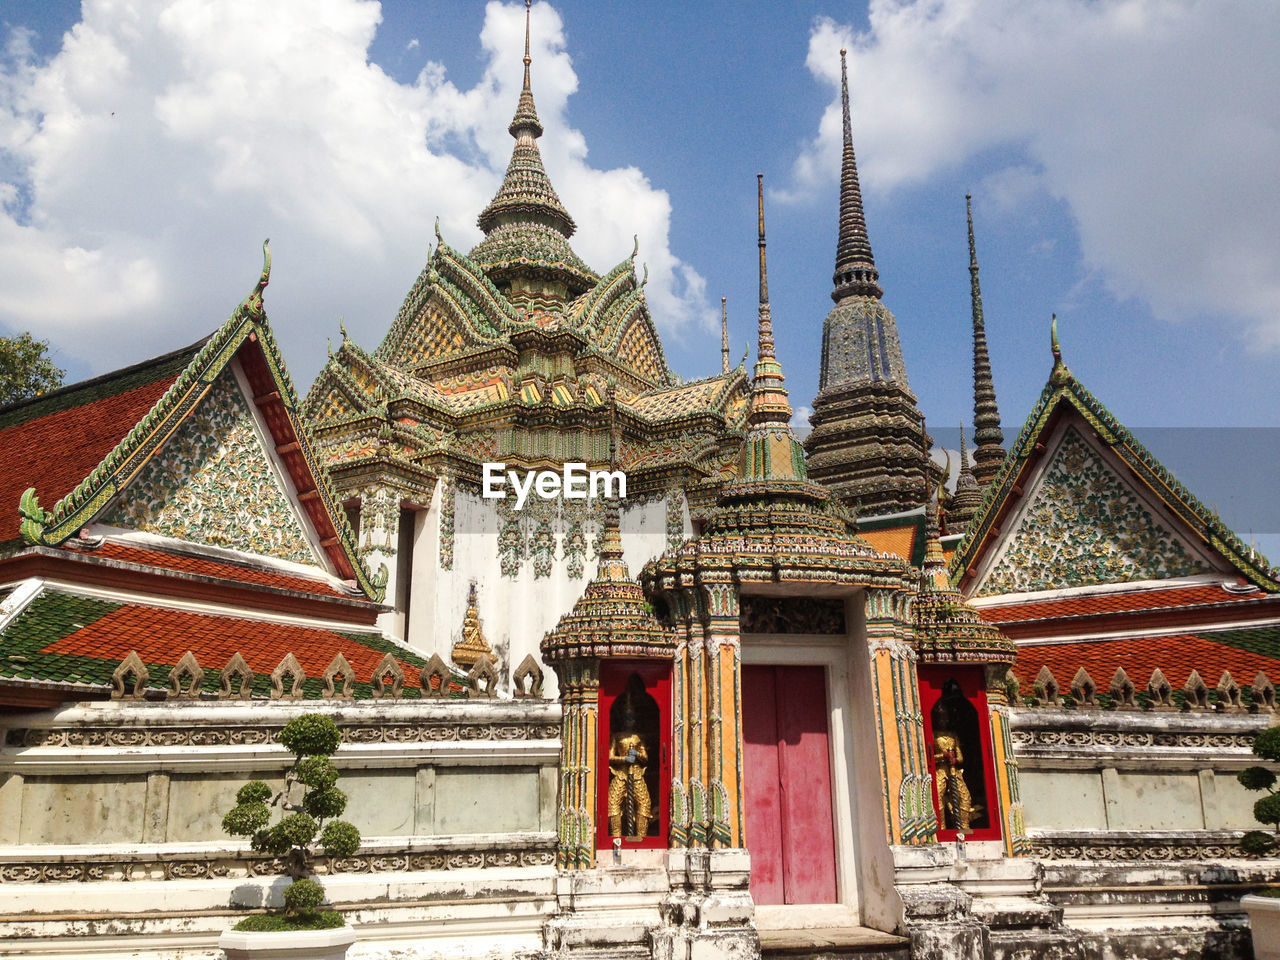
(634, 762)
(957, 734)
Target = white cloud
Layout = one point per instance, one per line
(1156, 122)
(800, 421)
(141, 167)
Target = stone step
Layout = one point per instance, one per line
(1038, 945)
(833, 943)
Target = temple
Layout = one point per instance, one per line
(745, 697)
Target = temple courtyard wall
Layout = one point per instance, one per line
(111, 839)
(111, 845)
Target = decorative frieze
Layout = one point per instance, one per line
(118, 736)
(89, 868)
(1130, 847)
(800, 615)
(1137, 738)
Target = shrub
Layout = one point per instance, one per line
(1257, 843)
(340, 839)
(275, 922)
(312, 738)
(303, 896)
(311, 735)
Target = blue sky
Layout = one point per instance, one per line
(1122, 158)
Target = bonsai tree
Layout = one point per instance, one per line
(1267, 810)
(308, 802)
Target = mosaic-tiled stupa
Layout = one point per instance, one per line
(868, 443)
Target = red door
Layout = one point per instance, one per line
(787, 768)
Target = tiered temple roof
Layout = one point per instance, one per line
(518, 352)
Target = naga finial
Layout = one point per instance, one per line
(438, 237)
(342, 328)
(266, 265)
(635, 245)
(1060, 372)
(645, 279)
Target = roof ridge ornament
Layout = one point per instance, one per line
(1060, 373)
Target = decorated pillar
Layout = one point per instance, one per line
(909, 815)
(683, 694)
(579, 692)
(724, 716)
(1006, 766)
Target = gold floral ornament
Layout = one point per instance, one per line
(473, 645)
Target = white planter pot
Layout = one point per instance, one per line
(287, 944)
(1264, 925)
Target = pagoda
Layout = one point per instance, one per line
(868, 442)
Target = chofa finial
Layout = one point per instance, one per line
(266, 265)
(1060, 374)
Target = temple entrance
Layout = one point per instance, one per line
(787, 781)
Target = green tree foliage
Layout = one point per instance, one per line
(308, 802)
(1267, 810)
(25, 369)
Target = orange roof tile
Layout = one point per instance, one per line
(211, 567)
(53, 442)
(1176, 656)
(163, 635)
(1132, 601)
(899, 541)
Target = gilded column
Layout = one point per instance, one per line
(681, 709)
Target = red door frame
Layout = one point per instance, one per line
(656, 677)
(972, 682)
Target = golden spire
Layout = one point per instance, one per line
(473, 645)
(724, 335)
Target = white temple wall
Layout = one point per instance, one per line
(519, 597)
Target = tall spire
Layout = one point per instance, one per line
(769, 403)
(724, 335)
(867, 443)
(525, 224)
(855, 274)
(526, 117)
(987, 435)
(771, 451)
(967, 497)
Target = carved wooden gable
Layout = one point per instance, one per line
(1083, 523)
(212, 482)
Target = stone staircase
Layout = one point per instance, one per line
(833, 943)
